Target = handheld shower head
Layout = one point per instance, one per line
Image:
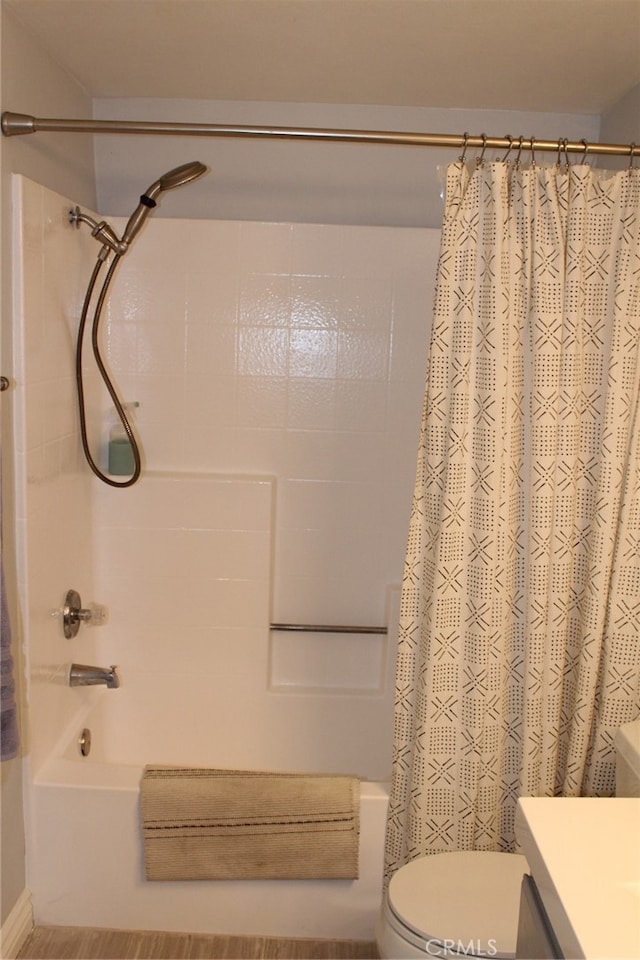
(105, 234)
(173, 178)
(107, 237)
(181, 175)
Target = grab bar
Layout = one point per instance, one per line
(325, 628)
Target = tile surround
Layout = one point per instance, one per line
(302, 354)
(290, 350)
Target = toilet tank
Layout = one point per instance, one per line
(627, 744)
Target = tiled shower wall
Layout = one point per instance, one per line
(294, 352)
(54, 512)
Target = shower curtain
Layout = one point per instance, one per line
(519, 649)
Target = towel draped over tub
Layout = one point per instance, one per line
(202, 824)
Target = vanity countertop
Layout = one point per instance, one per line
(584, 856)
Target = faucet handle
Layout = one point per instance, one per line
(73, 614)
(96, 614)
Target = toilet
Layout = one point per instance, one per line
(456, 904)
(466, 904)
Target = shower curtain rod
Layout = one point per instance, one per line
(14, 124)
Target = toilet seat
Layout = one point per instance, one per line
(465, 903)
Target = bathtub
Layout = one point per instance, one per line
(86, 858)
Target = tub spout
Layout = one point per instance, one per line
(81, 675)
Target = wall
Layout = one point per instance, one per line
(30, 81)
(54, 490)
(295, 352)
(621, 124)
(33, 83)
(302, 181)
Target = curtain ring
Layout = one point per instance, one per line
(562, 145)
(464, 148)
(480, 159)
(533, 156)
(586, 150)
(509, 148)
(520, 142)
(632, 147)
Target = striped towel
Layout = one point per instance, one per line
(201, 824)
(9, 740)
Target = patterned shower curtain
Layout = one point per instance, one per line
(519, 649)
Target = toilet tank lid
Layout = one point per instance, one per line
(627, 744)
(465, 897)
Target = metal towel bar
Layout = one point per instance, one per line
(325, 628)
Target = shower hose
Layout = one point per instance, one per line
(103, 373)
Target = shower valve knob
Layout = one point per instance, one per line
(73, 614)
(97, 615)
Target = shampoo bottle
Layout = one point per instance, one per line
(121, 459)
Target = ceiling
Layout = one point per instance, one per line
(563, 56)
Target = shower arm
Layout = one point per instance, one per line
(15, 124)
(103, 233)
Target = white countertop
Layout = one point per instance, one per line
(584, 855)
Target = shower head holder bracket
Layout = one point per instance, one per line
(103, 233)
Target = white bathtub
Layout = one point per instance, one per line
(86, 846)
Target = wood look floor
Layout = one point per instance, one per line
(87, 943)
